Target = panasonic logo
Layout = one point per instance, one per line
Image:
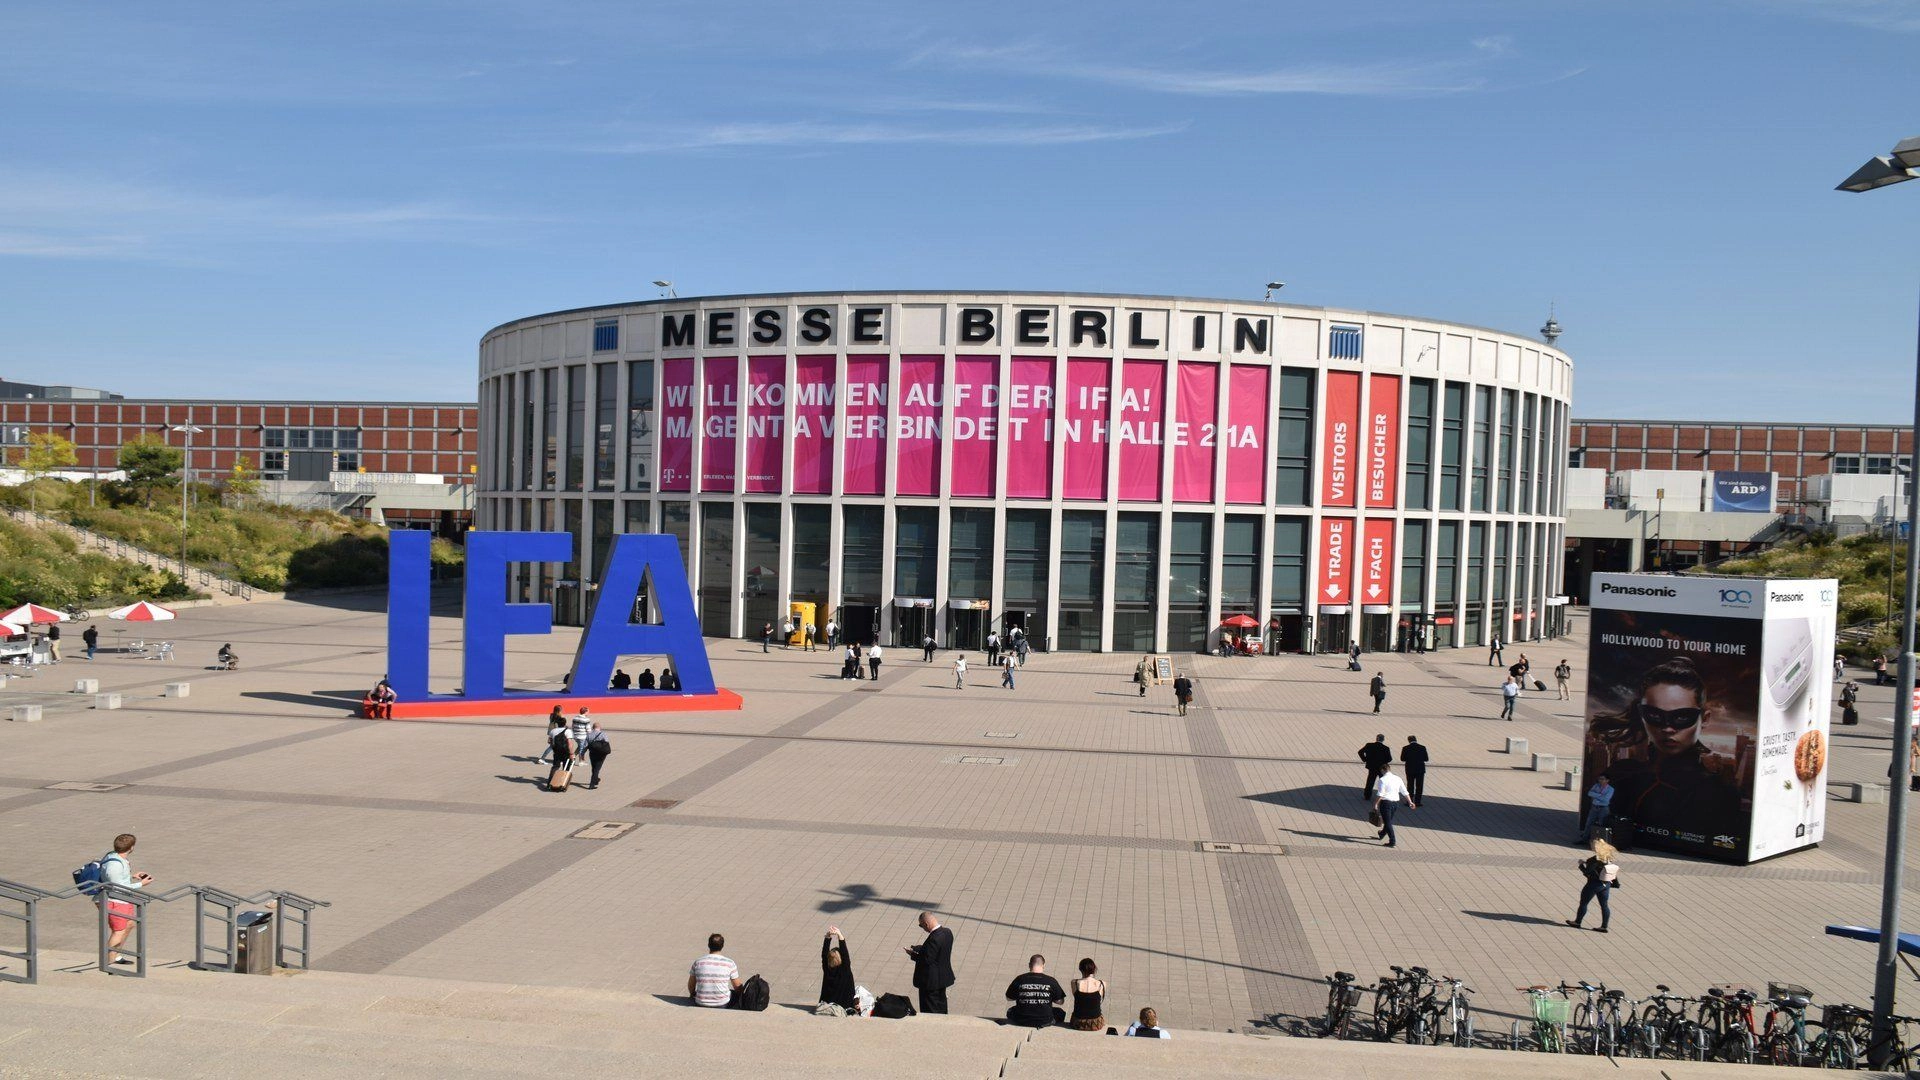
(1636, 590)
(1784, 597)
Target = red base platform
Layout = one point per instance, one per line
(539, 704)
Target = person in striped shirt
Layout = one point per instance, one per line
(714, 979)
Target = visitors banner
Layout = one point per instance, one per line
(1383, 441)
(1707, 709)
(975, 433)
(1336, 561)
(1376, 562)
(766, 421)
(917, 427)
(1338, 448)
(720, 420)
(1195, 432)
(1083, 428)
(813, 395)
(865, 394)
(1030, 428)
(1246, 434)
(676, 425)
(1143, 386)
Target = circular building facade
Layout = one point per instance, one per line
(1108, 472)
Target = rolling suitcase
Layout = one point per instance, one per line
(1540, 686)
(557, 779)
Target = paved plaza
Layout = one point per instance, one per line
(1068, 816)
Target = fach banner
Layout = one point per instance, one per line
(917, 427)
(1336, 561)
(1143, 387)
(1195, 432)
(976, 399)
(866, 425)
(1246, 434)
(1383, 441)
(720, 420)
(766, 421)
(1030, 428)
(1338, 445)
(676, 425)
(813, 395)
(1083, 428)
(1376, 562)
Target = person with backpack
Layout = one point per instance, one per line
(114, 869)
(1602, 876)
(714, 980)
(91, 638)
(1182, 692)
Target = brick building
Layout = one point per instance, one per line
(1794, 451)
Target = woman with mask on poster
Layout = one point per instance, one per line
(1662, 772)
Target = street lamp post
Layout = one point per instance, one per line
(1903, 164)
(186, 481)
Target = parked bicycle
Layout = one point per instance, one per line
(1783, 1035)
(1343, 997)
(1548, 1030)
(1596, 1021)
(1394, 998)
(1449, 1018)
(1665, 1029)
(1727, 1025)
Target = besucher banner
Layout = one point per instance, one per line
(1708, 700)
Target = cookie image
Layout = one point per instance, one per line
(1809, 756)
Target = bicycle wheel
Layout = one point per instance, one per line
(1779, 1048)
(1386, 1011)
(1463, 1026)
(1415, 1031)
(1580, 1035)
(1741, 1045)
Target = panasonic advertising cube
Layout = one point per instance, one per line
(1707, 707)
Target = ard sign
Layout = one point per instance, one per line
(490, 619)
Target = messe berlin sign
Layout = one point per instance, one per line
(612, 634)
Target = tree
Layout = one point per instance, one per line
(243, 479)
(45, 453)
(147, 462)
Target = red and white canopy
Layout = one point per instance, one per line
(32, 613)
(141, 612)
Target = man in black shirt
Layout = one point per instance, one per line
(1414, 757)
(1378, 689)
(1182, 692)
(1377, 755)
(1036, 997)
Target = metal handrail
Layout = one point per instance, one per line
(104, 895)
(28, 897)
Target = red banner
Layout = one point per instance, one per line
(1246, 434)
(1383, 441)
(1376, 563)
(1340, 443)
(1194, 432)
(1336, 561)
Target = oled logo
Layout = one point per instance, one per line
(1736, 598)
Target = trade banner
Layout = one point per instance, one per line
(1338, 434)
(676, 425)
(1143, 385)
(1030, 428)
(1383, 441)
(1376, 562)
(975, 433)
(1083, 428)
(865, 394)
(916, 427)
(814, 390)
(1336, 561)
(766, 421)
(719, 420)
(1707, 710)
(1743, 492)
(1195, 431)
(1246, 434)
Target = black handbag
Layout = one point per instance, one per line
(1374, 819)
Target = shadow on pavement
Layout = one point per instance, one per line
(1471, 817)
(1504, 916)
(329, 698)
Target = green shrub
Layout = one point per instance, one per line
(42, 567)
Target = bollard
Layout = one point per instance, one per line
(86, 686)
(177, 689)
(106, 701)
(1516, 746)
(1873, 793)
(1545, 763)
(28, 714)
(1570, 780)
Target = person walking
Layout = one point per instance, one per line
(1599, 806)
(993, 648)
(116, 870)
(1880, 671)
(766, 637)
(1140, 678)
(786, 634)
(598, 747)
(1378, 689)
(836, 971)
(1376, 755)
(1006, 671)
(1510, 695)
(1496, 653)
(1849, 703)
(556, 725)
(926, 649)
(933, 964)
(1413, 759)
(873, 661)
(1839, 662)
(808, 636)
(1182, 692)
(1561, 675)
(1353, 657)
(90, 637)
(1387, 793)
(960, 672)
(1021, 647)
(1089, 1000)
(578, 729)
(53, 641)
(1602, 874)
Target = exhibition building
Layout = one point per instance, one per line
(1109, 473)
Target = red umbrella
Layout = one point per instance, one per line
(141, 611)
(32, 613)
(1241, 622)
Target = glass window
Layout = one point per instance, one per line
(639, 516)
(675, 521)
(1289, 563)
(525, 380)
(1413, 566)
(1502, 540)
(347, 438)
(1452, 445)
(346, 462)
(1507, 410)
(1135, 581)
(323, 439)
(606, 335)
(1293, 440)
(716, 569)
(550, 397)
(1482, 444)
(1083, 546)
(763, 568)
(1476, 562)
(970, 554)
(602, 551)
(916, 550)
(1419, 443)
(1240, 566)
(1189, 582)
(812, 554)
(1024, 559)
(1526, 454)
(274, 439)
(863, 541)
(606, 407)
(273, 461)
(640, 426)
(1446, 564)
(576, 427)
(299, 439)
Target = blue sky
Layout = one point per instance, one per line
(296, 199)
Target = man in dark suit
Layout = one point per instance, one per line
(1414, 757)
(933, 964)
(1376, 755)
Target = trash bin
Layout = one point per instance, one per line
(254, 955)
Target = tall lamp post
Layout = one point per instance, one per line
(1903, 164)
(186, 481)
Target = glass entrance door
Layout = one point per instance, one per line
(911, 625)
(966, 628)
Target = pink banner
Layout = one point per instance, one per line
(813, 394)
(976, 400)
(720, 421)
(1030, 429)
(1194, 432)
(1143, 386)
(1245, 437)
(866, 426)
(676, 425)
(1383, 441)
(1341, 446)
(916, 427)
(1083, 428)
(766, 421)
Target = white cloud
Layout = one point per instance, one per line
(1893, 16)
(813, 134)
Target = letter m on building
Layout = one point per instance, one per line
(676, 330)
